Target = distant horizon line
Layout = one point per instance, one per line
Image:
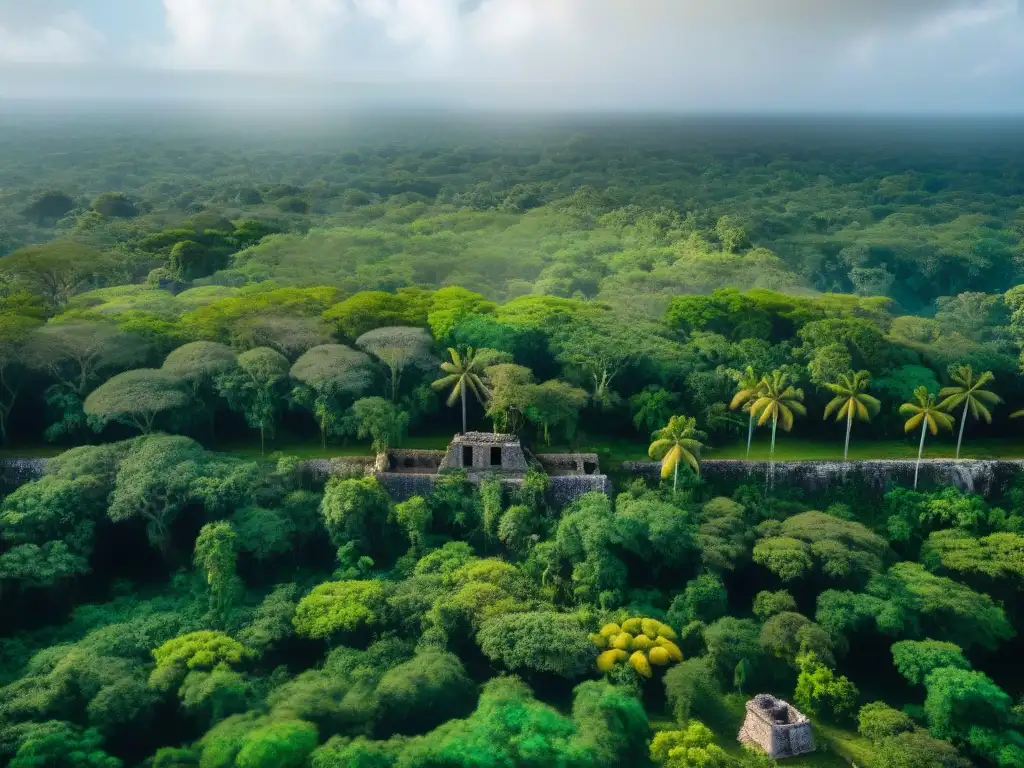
(84, 103)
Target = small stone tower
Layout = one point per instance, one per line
(776, 727)
(485, 452)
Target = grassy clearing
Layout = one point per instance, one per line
(800, 449)
(849, 746)
(836, 747)
(613, 451)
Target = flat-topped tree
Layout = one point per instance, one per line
(198, 364)
(288, 334)
(15, 332)
(968, 390)
(77, 355)
(398, 348)
(256, 388)
(329, 377)
(851, 402)
(58, 270)
(136, 398)
(926, 413)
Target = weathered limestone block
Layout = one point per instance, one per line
(777, 728)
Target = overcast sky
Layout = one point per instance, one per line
(778, 55)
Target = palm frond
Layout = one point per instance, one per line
(659, 448)
(447, 381)
(836, 402)
(913, 423)
(456, 393)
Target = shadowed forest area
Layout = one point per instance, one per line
(189, 307)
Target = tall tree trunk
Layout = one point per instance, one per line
(463, 407)
(849, 427)
(750, 432)
(675, 479)
(963, 423)
(263, 449)
(920, 450)
(771, 451)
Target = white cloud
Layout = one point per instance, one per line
(250, 34)
(742, 53)
(45, 32)
(550, 37)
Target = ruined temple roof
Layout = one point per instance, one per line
(776, 710)
(484, 438)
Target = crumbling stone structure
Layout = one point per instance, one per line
(776, 727)
(484, 452)
(480, 454)
(569, 463)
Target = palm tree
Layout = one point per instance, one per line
(928, 414)
(464, 372)
(748, 388)
(967, 391)
(777, 401)
(676, 443)
(851, 401)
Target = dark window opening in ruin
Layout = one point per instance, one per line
(589, 467)
(467, 456)
(496, 456)
(408, 462)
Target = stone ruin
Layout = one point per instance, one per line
(483, 454)
(777, 728)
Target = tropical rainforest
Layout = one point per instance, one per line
(190, 309)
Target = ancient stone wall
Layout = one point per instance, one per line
(567, 488)
(415, 461)
(776, 727)
(565, 463)
(404, 485)
(318, 470)
(984, 477)
(17, 472)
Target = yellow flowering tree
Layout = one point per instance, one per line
(641, 643)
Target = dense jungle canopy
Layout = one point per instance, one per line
(188, 306)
